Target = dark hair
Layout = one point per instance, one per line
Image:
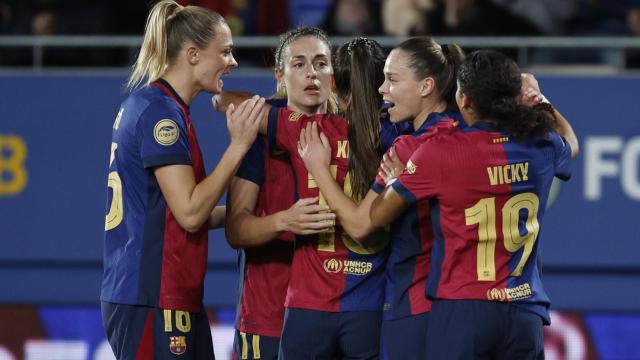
(428, 59)
(358, 72)
(492, 82)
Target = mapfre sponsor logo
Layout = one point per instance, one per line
(349, 267)
(510, 294)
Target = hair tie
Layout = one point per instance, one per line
(357, 40)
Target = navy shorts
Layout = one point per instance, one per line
(404, 338)
(310, 334)
(252, 347)
(480, 329)
(142, 332)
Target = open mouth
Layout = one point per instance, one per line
(386, 105)
(313, 89)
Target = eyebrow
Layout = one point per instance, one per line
(316, 57)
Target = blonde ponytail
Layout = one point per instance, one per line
(168, 27)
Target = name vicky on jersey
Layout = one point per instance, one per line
(507, 174)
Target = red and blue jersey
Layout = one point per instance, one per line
(148, 258)
(411, 234)
(487, 196)
(265, 269)
(330, 272)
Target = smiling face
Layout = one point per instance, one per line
(215, 60)
(307, 74)
(401, 88)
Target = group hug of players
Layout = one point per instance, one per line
(404, 233)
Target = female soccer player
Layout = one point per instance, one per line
(261, 219)
(487, 186)
(336, 287)
(419, 83)
(161, 203)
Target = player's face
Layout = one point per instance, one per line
(400, 88)
(307, 74)
(215, 61)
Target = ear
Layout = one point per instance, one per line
(426, 86)
(193, 56)
(279, 74)
(466, 103)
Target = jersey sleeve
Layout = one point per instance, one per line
(163, 137)
(283, 129)
(420, 177)
(252, 166)
(562, 161)
(403, 147)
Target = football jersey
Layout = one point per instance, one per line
(148, 258)
(330, 272)
(411, 234)
(487, 195)
(265, 269)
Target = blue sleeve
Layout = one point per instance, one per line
(562, 160)
(252, 166)
(272, 127)
(162, 134)
(390, 131)
(279, 103)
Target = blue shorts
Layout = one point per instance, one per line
(252, 347)
(142, 332)
(310, 334)
(480, 329)
(404, 338)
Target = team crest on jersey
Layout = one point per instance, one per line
(411, 167)
(166, 132)
(177, 345)
(332, 266)
(295, 116)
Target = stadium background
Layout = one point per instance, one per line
(55, 126)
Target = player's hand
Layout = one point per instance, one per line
(530, 93)
(314, 148)
(243, 122)
(390, 167)
(307, 217)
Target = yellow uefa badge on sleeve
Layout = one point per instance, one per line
(411, 167)
(166, 132)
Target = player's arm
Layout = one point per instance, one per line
(192, 203)
(563, 127)
(217, 217)
(222, 101)
(386, 207)
(244, 229)
(532, 95)
(315, 151)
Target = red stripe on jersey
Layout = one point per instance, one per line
(145, 347)
(184, 254)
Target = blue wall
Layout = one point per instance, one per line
(51, 229)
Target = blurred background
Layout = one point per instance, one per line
(63, 64)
